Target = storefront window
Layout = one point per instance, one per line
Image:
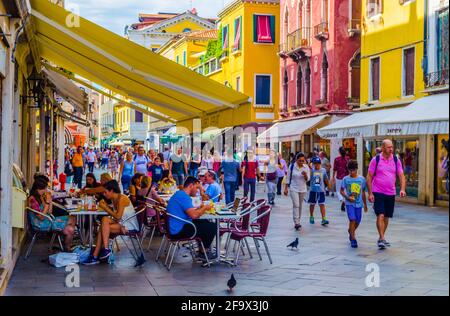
(442, 185)
(350, 146)
(407, 150)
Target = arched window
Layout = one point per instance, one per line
(307, 84)
(285, 90)
(324, 80)
(354, 78)
(299, 85)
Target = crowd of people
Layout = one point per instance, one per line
(133, 175)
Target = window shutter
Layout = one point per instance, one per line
(272, 28)
(255, 28)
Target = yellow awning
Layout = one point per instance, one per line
(68, 90)
(124, 67)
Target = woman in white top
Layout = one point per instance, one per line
(119, 221)
(298, 175)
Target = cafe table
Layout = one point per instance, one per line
(224, 214)
(74, 209)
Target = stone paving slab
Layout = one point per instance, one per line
(416, 264)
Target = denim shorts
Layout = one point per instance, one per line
(316, 198)
(354, 213)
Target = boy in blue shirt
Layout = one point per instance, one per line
(353, 189)
(319, 179)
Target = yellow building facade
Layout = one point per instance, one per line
(392, 41)
(248, 38)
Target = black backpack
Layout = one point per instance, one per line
(378, 158)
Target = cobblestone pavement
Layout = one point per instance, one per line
(416, 264)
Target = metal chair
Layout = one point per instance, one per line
(240, 234)
(135, 237)
(35, 232)
(175, 243)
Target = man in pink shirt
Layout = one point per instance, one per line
(381, 179)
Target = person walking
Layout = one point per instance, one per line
(113, 164)
(91, 157)
(319, 180)
(230, 168)
(141, 161)
(271, 176)
(195, 162)
(250, 172)
(126, 172)
(327, 165)
(282, 171)
(178, 167)
(78, 166)
(381, 184)
(340, 171)
(296, 184)
(353, 189)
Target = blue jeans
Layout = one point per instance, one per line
(230, 192)
(250, 185)
(193, 173)
(78, 176)
(126, 182)
(271, 190)
(179, 178)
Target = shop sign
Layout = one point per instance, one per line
(394, 131)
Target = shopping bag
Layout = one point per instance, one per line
(82, 252)
(63, 259)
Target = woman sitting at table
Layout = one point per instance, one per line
(96, 189)
(91, 182)
(147, 190)
(135, 187)
(40, 199)
(122, 210)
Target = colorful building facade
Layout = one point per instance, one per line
(319, 71)
(404, 93)
(244, 58)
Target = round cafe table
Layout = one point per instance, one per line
(74, 209)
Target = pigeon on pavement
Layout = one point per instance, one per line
(231, 283)
(293, 244)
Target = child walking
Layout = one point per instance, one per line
(319, 179)
(353, 189)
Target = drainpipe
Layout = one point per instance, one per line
(425, 42)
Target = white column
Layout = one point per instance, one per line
(60, 144)
(7, 159)
(360, 153)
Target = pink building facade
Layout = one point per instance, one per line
(319, 62)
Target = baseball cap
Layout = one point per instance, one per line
(316, 160)
(202, 171)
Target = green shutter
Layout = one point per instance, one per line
(255, 28)
(272, 28)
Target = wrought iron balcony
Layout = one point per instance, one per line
(321, 31)
(437, 79)
(297, 43)
(354, 27)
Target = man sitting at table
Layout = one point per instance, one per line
(213, 191)
(181, 205)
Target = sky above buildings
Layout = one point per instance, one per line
(116, 14)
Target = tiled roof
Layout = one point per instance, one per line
(203, 34)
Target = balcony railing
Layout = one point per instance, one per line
(354, 27)
(321, 31)
(209, 67)
(437, 79)
(300, 39)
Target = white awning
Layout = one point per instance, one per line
(290, 130)
(426, 116)
(171, 132)
(68, 90)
